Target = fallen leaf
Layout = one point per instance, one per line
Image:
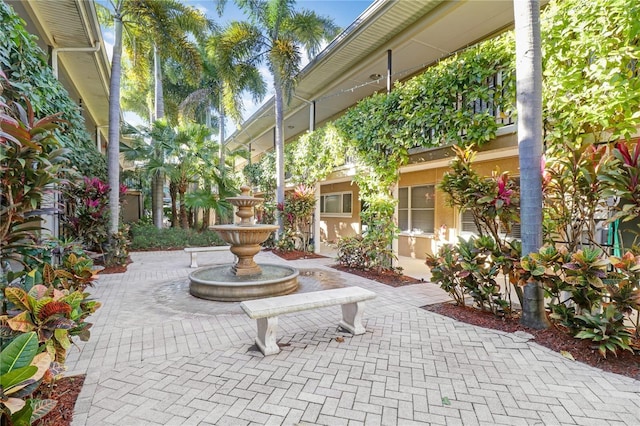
(567, 354)
(339, 339)
(446, 401)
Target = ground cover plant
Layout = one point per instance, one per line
(146, 236)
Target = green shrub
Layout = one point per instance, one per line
(148, 237)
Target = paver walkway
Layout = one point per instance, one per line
(157, 356)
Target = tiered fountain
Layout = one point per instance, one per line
(245, 279)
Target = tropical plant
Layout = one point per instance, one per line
(480, 262)
(493, 202)
(149, 24)
(621, 176)
(25, 64)
(297, 212)
(54, 315)
(87, 215)
(30, 161)
(22, 369)
(446, 271)
(275, 34)
(605, 328)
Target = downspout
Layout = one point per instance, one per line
(394, 189)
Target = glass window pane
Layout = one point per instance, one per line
(468, 225)
(403, 198)
(403, 220)
(332, 204)
(322, 204)
(422, 197)
(346, 203)
(422, 220)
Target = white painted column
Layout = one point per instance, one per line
(316, 222)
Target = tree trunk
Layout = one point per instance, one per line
(113, 151)
(184, 220)
(221, 136)
(529, 104)
(173, 193)
(279, 142)
(157, 193)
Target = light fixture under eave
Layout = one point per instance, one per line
(375, 76)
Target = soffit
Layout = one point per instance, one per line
(418, 33)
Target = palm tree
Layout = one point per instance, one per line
(166, 23)
(228, 74)
(275, 34)
(529, 104)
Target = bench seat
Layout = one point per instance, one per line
(266, 311)
(195, 250)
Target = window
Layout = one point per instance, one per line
(338, 203)
(467, 224)
(416, 209)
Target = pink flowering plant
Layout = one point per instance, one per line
(87, 217)
(297, 214)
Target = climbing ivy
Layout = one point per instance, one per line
(591, 77)
(314, 155)
(591, 86)
(25, 65)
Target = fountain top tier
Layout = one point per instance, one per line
(245, 204)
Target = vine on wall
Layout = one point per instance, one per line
(591, 86)
(26, 66)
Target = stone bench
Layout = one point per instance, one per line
(195, 250)
(266, 311)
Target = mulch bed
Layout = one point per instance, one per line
(554, 338)
(296, 254)
(389, 278)
(65, 391)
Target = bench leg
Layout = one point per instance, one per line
(266, 339)
(352, 318)
(194, 259)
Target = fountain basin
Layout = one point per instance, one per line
(222, 284)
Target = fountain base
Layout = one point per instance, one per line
(220, 283)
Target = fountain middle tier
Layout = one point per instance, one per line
(245, 244)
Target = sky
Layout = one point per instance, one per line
(343, 13)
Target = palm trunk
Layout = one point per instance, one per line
(173, 193)
(113, 152)
(279, 142)
(157, 193)
(529, 104)
(184, 220)
(221, 136)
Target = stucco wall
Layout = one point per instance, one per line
(333, 227)
(418, 245)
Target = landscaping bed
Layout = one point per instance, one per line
(554, 338)
(65, 391)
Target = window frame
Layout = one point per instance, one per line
(342, 213)
(410, 210)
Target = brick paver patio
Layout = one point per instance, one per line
(157, 356)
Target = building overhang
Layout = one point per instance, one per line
(416, 33)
